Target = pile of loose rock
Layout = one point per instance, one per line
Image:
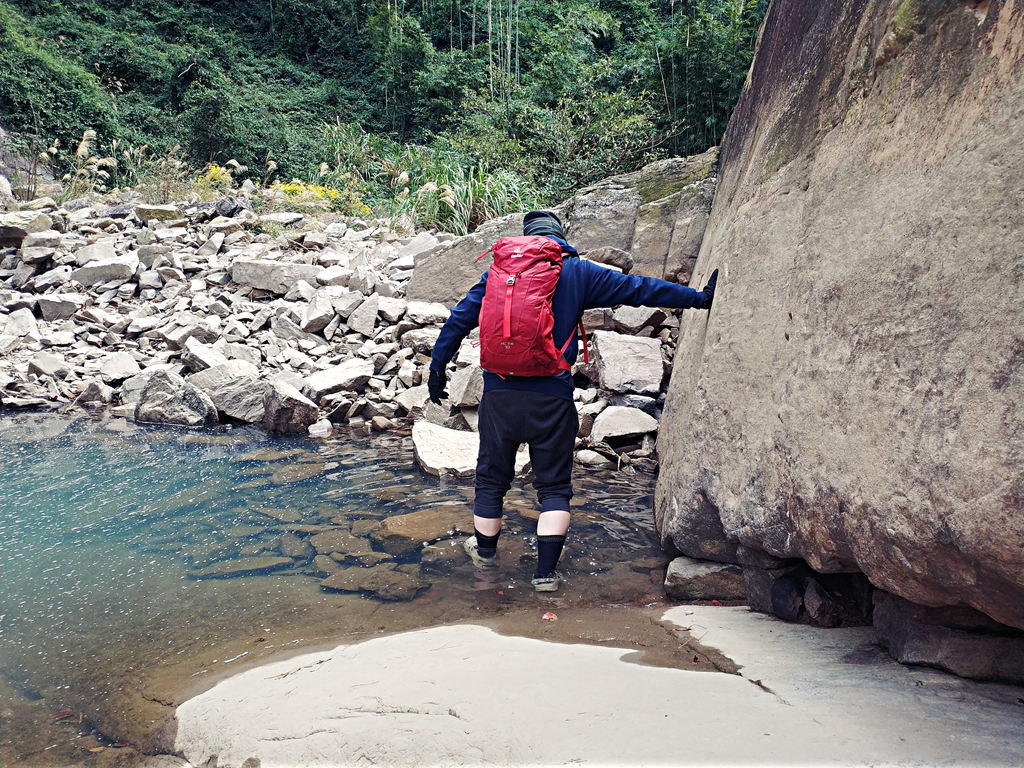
(191, 315)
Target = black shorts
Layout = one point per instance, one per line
(547, 424)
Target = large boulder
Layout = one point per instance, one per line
(853, 399)
(169, 399)
(445, 273)
(287, 410)
(658, 214)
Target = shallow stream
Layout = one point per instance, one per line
(118, 543)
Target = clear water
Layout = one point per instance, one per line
(104, 525)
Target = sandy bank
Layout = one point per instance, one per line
(465, 695)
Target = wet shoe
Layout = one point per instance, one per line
(474, 554)
(546, 583)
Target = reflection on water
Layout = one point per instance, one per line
(131, 554)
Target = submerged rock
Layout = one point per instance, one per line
(242, 566)
(388, 583)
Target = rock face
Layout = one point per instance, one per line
(853, 399)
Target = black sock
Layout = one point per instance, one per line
(549, 549)
(487, 546)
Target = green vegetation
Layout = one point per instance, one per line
(446, 111)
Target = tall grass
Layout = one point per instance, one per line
(425, 187)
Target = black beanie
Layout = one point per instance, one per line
(542, 223)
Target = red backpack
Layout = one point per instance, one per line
(516, 317)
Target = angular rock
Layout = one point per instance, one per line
(689, 579)
(364, 319)
(212, 245)
(158, 212)
(420, 339)
(60, 306)
(318, 313)
(21, 322)
(118, 366)
(169, 399)
(100, 251)
(466, 387)
(427, 313)
(439, 450)
(349, 375)
(105, 270)
(198, 356)
(628, 363)
(95, 391)
(284, 218)
(616, 422)
(15, 227)
(239, 397)
(444, 274)
(48, 364)
(287, 410)
(957, 640)
(275, 276)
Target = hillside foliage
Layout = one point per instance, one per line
(551, 95)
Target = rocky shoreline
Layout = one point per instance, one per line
(203, 313)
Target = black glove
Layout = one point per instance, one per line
(709, 291)
(435, 385)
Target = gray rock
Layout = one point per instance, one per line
(15, 227)
(840, 387)
(119, 268)
(60, 306)
(616, 421)
(447, 272)
(349, 375)
(275, 276)
(287, 410)
(56, 276)
(391, 309)
(364, 319)
(628, 363)
(284, 218)
(198, 356)
(427, 313)
(634, 319)
(239, 397)
(466, 387)
(441, 451)
(48, 364)
(212, 245)
(21, 322)
(48, 238)
(689, 579)
(318, 313)
(169, 399)
(117, 367)
(957, 640)
(99, 251)
(420, 339)
(609, 256)
(95, 391)
(412, 400)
